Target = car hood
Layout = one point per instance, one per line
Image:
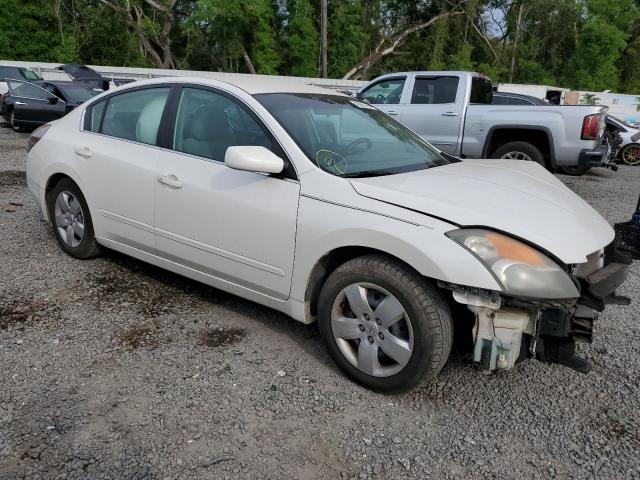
(519, 198)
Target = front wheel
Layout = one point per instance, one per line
(630, 154)
(12, 122)
(519, 151)
(383, 324)
(574, 171)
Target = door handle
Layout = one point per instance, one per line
(171, 182)
(392, 113)
(450, 114)
(19, 103)
(83, 151)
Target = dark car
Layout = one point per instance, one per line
(18, 73)
(72, 93)
(26, 105)
(506, 98)
(85, 75)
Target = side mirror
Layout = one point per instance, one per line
(253, 159)
(53, 100)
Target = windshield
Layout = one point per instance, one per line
(77, 93)
(349, 138)
(29, 74)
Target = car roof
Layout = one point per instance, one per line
(536, 100)
(252, 84)
(65, 83)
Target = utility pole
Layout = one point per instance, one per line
(323, 40)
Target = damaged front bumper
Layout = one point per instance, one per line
(509, 329)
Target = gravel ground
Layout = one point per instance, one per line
(111, 368)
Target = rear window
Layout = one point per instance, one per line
(481, 90)
(435, 90)
(135, 115)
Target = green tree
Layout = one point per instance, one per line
(300, 40)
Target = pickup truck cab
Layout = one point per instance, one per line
(453, 112)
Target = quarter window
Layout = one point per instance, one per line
(134, 116)
(386, 92)
(94, 116)
(435, 90)
(207, 123)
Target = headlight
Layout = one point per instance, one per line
(520, 269)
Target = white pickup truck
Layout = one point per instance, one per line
(453, 112)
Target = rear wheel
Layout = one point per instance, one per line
(519, 151)
(71, 220)
(630, 154)
(383, 324)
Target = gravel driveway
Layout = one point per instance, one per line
(111, 368)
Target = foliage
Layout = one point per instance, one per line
(583, 44)
(589, 99)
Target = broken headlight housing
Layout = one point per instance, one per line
(520, 269)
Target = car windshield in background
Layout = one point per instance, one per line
(18, 73)
(349, 138)
(78, 93)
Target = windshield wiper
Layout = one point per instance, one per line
(367, 173)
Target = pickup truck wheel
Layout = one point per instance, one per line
(383, 324)
(574, 171)
(519, 151)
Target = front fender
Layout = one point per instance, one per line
(426, 249)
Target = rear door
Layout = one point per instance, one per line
(434, 109)
(118, 148)
(386, 94)
(32, 104)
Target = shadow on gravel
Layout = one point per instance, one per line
(13, 178)
(16, 312)
(152, 291)
(221, 337)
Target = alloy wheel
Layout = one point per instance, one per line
(69, 218)
(372, 329)
(631, 155)
(517, 156)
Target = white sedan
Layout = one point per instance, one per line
(327, 209)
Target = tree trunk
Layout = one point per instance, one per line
(156, 48)
(323, 39)
(515, 42)
(247, 61)
(394, 41)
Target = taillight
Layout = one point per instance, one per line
(37, 135)
(591, 127)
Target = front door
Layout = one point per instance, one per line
(235, 225)
(33, 105)
(434, 110)
(386, 95)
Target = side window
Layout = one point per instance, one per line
(93, 116)
(500, 100)
(386, 92)
(135, 115)
(482, 91)
(27, 90)
(207, 123)
(435, 90)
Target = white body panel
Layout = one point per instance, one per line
(260, 237)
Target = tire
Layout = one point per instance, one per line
(519, 151)
(69, 212)
(574, 171)
(630, 154)
(12, 122)
(424, 331)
